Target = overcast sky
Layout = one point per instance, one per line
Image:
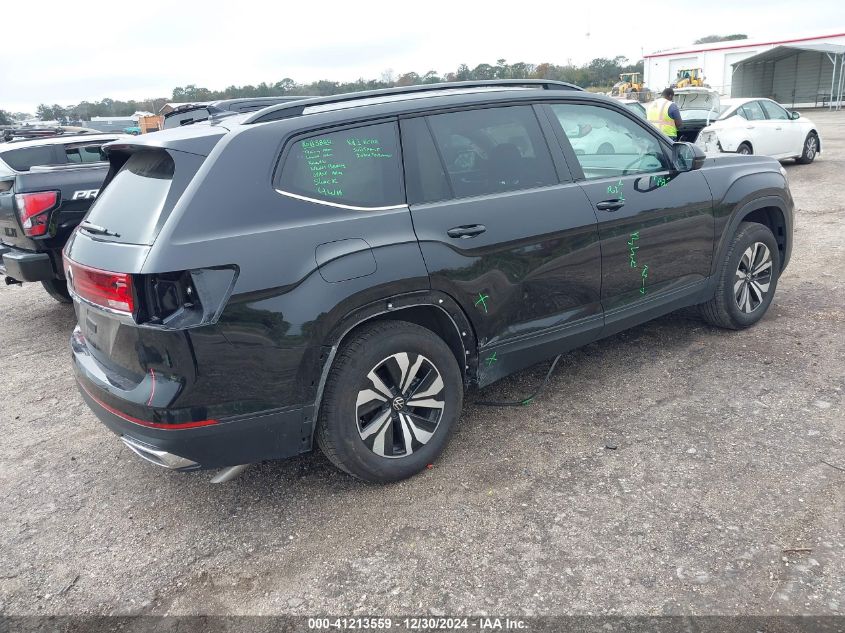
(66, 52)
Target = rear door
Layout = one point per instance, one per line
(656, 225)
(503, 229)
(758, 129)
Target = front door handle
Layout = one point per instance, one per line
(610, 205)
(749, 127)
(467, 231)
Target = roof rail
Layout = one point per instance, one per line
(286, 110)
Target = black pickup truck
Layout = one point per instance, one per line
(46, 187)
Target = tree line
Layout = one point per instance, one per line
(600, 73)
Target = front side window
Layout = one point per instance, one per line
(608, 143)
(493, 150)
(357, 167)
(774, 111)
(753, 111)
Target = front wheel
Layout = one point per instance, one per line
(391, 402)
(57, 288)
(811, 148)
(747, 279)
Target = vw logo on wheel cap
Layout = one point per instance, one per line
(398, 403)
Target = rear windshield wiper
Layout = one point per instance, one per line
(96, 229)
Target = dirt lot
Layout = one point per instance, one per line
(716, 500)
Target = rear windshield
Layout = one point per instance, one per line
(132, 203)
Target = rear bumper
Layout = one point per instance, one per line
(274, 435)
(231, 441)
(24, 265)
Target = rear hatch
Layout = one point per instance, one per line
(107, 252)
(697, 104)
(699, 107)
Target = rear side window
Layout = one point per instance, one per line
(133, 201)
(85, 153)
(357, 167)
(25, 158)
(493, 150)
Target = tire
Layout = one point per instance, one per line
(742, 296)
(605, 148)
(57, 288)
(744, 149)
(350, 431)
(811, 148)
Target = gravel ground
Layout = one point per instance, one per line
(716, 500)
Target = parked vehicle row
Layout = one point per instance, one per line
(740, 126)
(344, 268)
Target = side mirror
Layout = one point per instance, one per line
(686, 156)
(794, 115)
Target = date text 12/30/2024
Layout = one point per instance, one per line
(417, 624)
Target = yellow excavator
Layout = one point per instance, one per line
(630, 86)
(689, 77)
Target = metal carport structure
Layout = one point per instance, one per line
(794, 75)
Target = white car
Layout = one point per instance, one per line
(760, 126)
(633, 105)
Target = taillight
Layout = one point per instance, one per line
(34, 211)
(101, 287)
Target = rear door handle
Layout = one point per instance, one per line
(467, 231)
(610, 205)
(749, 127)
(778, 128)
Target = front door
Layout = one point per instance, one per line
(656, 225)
(786, 135)
(502, 230)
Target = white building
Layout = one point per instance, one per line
(661, 68)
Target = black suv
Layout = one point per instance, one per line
(346, 267)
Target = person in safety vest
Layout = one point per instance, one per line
(663, 114)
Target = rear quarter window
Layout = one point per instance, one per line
(357, 167)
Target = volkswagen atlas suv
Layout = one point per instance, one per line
(343, 269)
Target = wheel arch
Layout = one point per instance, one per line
(770, 211)
(433, 310)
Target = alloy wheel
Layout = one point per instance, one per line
(810, 147)
(753, 277)
(744, 151)
(400, 405)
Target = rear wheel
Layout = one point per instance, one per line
(747, 279)
(811, 148)
(391, 402)
(744, 149)
(606, 148)
(57, 288)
